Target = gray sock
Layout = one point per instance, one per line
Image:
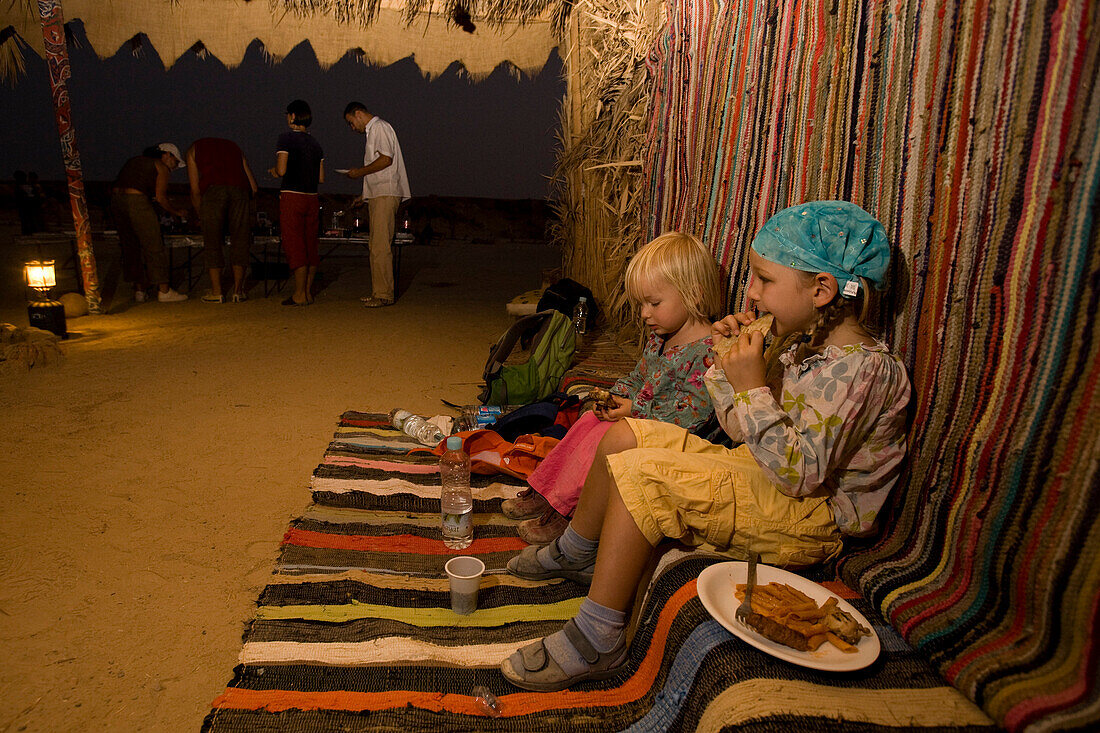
(576, 549)
(602, 626)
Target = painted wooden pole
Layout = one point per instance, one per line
(57, 59)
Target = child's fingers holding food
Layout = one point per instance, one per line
(744, 362)
(726, 327)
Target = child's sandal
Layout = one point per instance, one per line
(526, 565)
(533, 667)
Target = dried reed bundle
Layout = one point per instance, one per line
(11, 57)
(28, 347)
(603, 138)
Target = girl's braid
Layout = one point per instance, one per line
(828, 317)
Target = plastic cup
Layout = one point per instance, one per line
(464, 574)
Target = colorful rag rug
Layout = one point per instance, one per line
(355, 631)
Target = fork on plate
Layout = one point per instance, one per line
(743, 611)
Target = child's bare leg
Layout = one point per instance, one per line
(589, 515)
(622, 557)
(575, 551)
(593, 643)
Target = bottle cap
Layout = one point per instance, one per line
(454, 442)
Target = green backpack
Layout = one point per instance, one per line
(552, 341)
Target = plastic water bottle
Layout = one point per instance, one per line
(580, 316)
(417, 427)
(456, 502)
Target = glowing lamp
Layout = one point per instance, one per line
(44, 313)
(40, 276)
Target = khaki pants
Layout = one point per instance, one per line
(144, 258)
(680, 486)
(383, 216)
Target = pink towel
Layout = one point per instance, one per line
(560, 476)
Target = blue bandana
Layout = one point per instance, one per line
(836, 237)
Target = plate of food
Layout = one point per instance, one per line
(803, 623)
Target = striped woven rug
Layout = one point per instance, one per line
(355, 632)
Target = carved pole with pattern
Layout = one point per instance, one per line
(57, 59)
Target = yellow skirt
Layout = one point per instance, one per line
(677, 485)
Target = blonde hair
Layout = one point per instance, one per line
(684, 262)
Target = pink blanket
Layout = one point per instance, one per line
(560, 476)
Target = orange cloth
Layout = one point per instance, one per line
(489, 453)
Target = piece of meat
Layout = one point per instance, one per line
(845, 626)
(777, 632)
(602, 398)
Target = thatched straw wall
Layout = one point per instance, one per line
(380, 32)
(603, 142)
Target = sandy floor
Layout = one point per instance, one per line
(148, 479)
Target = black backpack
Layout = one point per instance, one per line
(563, 296)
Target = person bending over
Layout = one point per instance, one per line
(222, 187)
(143, 180)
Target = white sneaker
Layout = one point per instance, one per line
(170, 297)
(140, 296)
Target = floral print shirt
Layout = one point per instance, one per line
(839, 428)
(667, 383)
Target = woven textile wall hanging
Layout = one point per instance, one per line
(971, 130)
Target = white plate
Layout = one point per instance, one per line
(716, 591)
(342, 170)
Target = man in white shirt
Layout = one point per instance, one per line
(385, 186)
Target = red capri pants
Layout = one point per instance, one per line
(299, 215)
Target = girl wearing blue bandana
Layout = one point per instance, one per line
(819, 440)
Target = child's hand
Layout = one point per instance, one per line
(622, 409)
(744, 363)
(731, 324)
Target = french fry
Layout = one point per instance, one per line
(840, 643)
(815, 641)
(797, 612)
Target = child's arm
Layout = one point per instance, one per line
(629, 385)
(722, 396)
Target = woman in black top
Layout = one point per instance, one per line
(299, 161)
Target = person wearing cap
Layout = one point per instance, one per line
(143, 180)
(385, 186)
(222, 187)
